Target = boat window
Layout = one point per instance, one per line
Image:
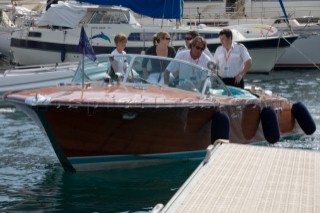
(105, 68)
(187, 76)
(216, 87)
(140, 36)
(109, 17)
(96, 17)
(210, 35)
(178, 36)
(147, 36)
(180, 74)
(34, 34)
(308, 19)
(147, 69)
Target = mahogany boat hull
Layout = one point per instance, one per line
(89, 138)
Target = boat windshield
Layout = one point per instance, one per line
(110, 17)
(146, 69)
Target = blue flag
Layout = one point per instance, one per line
(85, 46)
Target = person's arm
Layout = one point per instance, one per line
(171, 68)
(166, 77)
(244, 71)
(247, 64)
(145, 72)
(145, 62)
(215, 60)
(144, 68)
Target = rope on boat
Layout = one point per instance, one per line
(276, 56)
(301, 53)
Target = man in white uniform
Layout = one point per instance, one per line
(233, 60)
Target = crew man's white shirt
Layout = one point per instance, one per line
(231, 62)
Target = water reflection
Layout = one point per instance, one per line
(99, 191)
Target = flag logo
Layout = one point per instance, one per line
(102, 36)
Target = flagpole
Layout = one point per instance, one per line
(83, 53)
(86, 50)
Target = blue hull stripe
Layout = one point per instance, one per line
(122, 158)
(48, 46)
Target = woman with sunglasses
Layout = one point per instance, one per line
(161, 48)
(233, 60)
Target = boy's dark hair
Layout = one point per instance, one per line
(193, 33)
(226, 32)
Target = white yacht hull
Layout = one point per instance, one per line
(57, 44)
(264, 51)
(261, 63)
(304, 53)
(303, 18)
(22, 56)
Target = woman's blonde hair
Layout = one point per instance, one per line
(161, 35)
(154, 39)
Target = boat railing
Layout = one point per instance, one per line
(5, 19)
(218, 13)
(42, 68)
(11, 19)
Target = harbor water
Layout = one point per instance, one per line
(32, 180)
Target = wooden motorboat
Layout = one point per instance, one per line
(105, 120)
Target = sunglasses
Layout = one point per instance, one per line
(167, 39)
(199, 48)
(187, 38)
